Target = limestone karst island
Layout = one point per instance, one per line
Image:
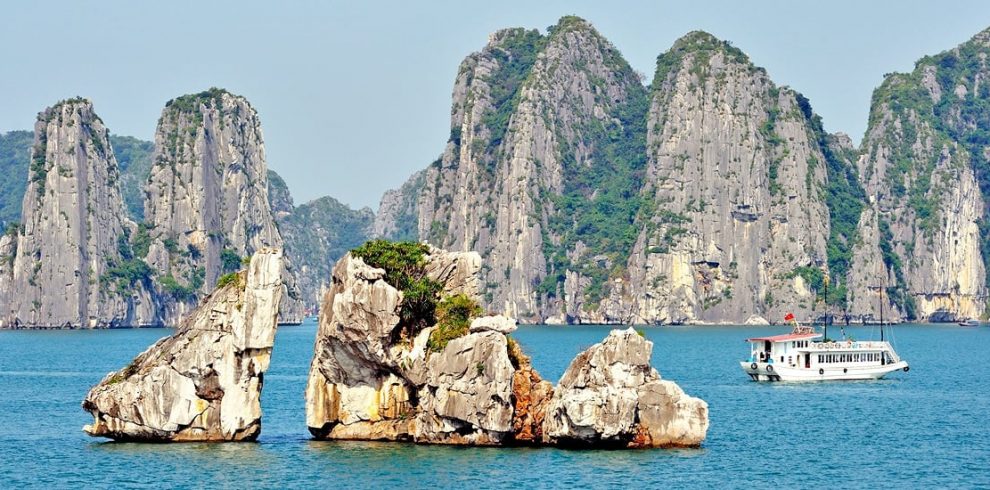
(690, 245)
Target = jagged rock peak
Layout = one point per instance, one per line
(69, 260)
(697, 44)
(734, 218)
(534, 120)
(204, 382)
(207, 198)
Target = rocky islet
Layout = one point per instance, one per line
(375, 376)
(204, 382)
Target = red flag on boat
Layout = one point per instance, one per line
(789, 317)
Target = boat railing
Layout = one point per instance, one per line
(851, 345)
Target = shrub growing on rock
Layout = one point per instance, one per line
(404, 265)
(454, 314)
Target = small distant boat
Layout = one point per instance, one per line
(969, 322)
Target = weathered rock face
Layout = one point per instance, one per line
(924, 164)
(610, 396)
(373, 379)
(538, 137)
(364, 384)
(203, 383)
(66, 265)
(870, 274)
(398, 212)
(316, 234)
(207, 197)
(735, 177)
(594, 201)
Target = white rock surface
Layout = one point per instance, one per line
(756, 320)
(610, 396)
(496, 323)
(203, 383)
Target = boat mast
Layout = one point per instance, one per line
(825, 333)
(883, 276)
(883, 285)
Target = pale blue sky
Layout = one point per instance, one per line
(355, 96)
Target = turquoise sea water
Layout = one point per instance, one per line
(925, 428)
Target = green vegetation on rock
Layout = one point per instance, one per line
(453, 315)
(131, 269)
(600, 199)
(191, 102)
(230, 261)
(134, 160)
(229, 278)
(404, 264)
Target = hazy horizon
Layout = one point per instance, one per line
(355, 98)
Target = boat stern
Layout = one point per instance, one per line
(760, 371)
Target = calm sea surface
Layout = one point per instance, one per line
(925, 428)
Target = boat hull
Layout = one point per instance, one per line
(784, 373)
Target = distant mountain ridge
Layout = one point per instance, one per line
(314, 234)
(711, 195)
(735, 204)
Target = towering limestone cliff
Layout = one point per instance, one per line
(398, 212)
(706, 198)
(735, 220)
(206, 202)
(544, 153)
(316, 234)
(71, 262)
(133, 159)
(926, 167)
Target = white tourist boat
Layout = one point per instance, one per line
(803, 355)
(806, 355)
